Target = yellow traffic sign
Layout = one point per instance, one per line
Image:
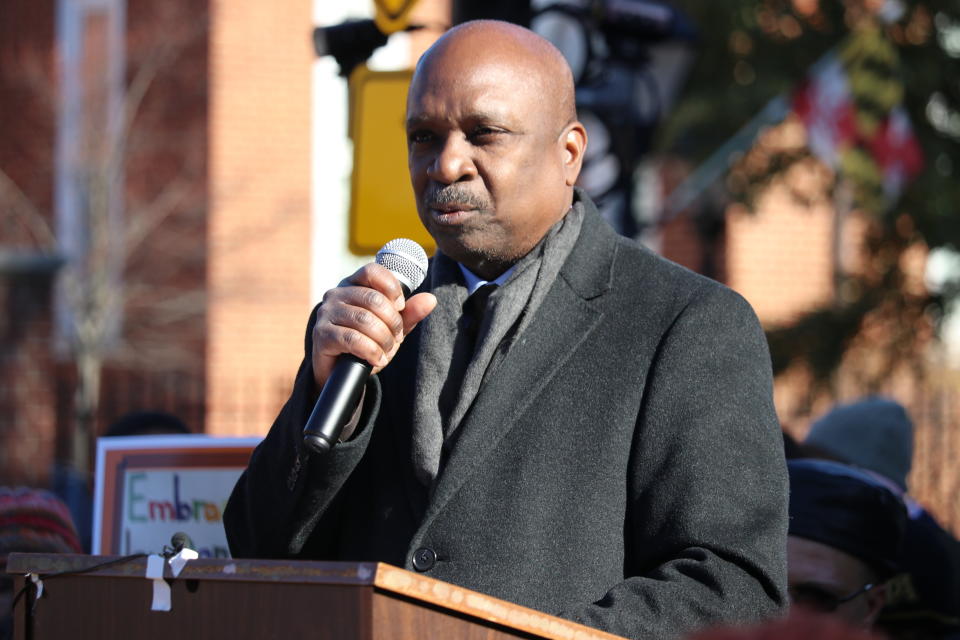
(392, 15)
(381, 203)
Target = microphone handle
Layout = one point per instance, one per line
(336, 403)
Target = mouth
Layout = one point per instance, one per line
(452, 205)
(451, 213)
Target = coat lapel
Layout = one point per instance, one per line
(567, 315)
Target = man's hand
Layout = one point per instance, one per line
(366, 316)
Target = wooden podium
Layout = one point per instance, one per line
(217, 599)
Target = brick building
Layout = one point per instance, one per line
(207, 270)
(232, 206)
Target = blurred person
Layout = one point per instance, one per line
(31, 521)
(800, 624)
(146, 423)
(876, 434)
(791, 447)
(606, 450)
(846, 531)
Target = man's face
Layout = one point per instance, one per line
(820, 573)
(486, 157)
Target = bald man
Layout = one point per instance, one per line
(600, 444)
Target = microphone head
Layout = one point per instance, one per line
(181, 541)
(406, 260)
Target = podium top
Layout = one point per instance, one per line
(378, 576)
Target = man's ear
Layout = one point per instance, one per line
(574, 142)
(876, 599)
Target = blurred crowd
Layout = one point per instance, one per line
(865, 560)
(860, 548)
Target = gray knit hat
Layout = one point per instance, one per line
(875, 433)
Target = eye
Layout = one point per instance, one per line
(485, 133)
(420, 136)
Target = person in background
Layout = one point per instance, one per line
(800, 624)
(31, 521)
(846, 530)
(147, 423)
(876, 434)
(74, 488)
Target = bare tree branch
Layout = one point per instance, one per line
(20, 205)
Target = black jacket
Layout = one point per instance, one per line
(623, 467)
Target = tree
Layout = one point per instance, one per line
(765, 48)
(134, 172)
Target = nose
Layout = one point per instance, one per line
(452, 162)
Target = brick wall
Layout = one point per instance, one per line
(27, 418)
(259, 223)
(27, 390)
(26, 115)
(780, 257)
(166, 182)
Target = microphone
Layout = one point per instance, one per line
(406, 260)
(180, 541)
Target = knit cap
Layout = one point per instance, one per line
(875, 433)
(35, 520)
(848, 509)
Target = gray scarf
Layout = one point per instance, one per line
(441, 401)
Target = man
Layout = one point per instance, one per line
(846, 530)
(607, 451)
(876, 434)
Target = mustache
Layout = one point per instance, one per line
(454, 195)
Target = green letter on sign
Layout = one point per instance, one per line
(134, 497)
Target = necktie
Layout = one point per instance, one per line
(463, 351)
(473, 310)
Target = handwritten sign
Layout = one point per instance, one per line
(151, 487)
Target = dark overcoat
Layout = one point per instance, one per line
(622, 467)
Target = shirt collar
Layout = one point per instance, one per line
(474, 282)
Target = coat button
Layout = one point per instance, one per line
(424, 558)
